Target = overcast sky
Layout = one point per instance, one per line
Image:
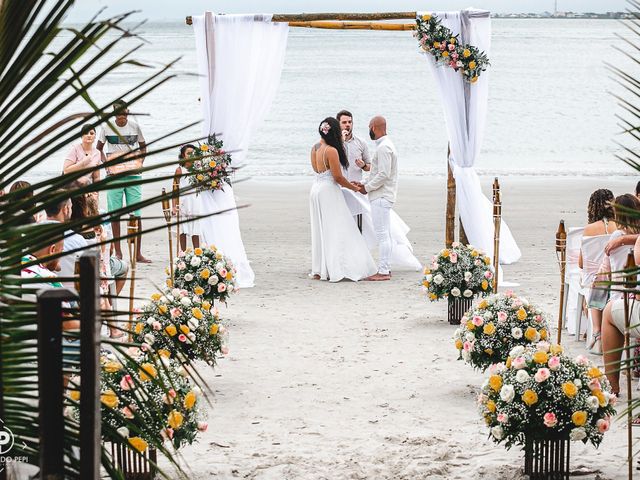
(177, 9)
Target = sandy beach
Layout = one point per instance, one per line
(360, 381)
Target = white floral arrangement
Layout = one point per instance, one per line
(541, 393)
(179, 324)
(126, 387)
(461, 271)
(205, 272)
(500, 322)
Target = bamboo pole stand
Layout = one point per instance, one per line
(166, 209)
(497, 222)
(450, 215)
(176, 194)
(628, 286)
(561, 254)
(132, 229)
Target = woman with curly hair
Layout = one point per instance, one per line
(338, 250)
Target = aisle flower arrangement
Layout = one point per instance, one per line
(206, 272)
(500, 322)
(541, 393)
(123, 407)
(210, 166)
(180, 324)
(439, 41)
(461, 271)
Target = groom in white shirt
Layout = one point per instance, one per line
(382, 187)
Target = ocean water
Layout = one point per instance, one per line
(551, 109)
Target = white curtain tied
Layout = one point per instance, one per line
(465, 109)
(240, 59)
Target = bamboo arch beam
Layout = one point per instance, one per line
(355, 25)
(357, 17)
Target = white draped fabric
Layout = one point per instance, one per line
(465, 109)
(240, 59)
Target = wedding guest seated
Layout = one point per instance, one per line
(84, 155)
(22, 191)
(629, 239)
(600, 215)
(627, 223)
(613, 327)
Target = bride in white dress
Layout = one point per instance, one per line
(338, 251)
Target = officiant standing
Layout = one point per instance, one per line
(382, 187)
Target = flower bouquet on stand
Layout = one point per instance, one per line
(541, 399)
(458, 274)
(206, 272)
(210, 166)
(495, 326)
(179, 324)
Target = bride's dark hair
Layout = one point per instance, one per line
(329, 130)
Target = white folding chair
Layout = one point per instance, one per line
(573, 273)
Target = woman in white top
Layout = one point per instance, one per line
(189, 201)
(338, 250)
(84, 155)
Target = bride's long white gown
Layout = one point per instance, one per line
(338, 251)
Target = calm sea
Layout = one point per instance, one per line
(551, 109)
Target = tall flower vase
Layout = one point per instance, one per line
(456, 308)
(132, 466)
(546, 459)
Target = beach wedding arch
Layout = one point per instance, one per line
(240, 59)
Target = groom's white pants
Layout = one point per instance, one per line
(380, 215)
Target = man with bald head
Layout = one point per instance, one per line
(382, 186)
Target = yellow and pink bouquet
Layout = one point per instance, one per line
(209, 166)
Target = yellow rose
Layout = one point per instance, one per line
(594, 372)
(163, 309)
(196, 312)
(147, 372)
(436, 44)
(212, 164)
(164, 353)
(155, 297)
(189, 400)
(541, 357)
(484, 284)
(530, 334)
(530, 397)
(579, 418)
(184, 329)
(198, 290)
(426, 271)
(483, 304)
(459, 344)
(489, 328)
(474, 80)
(445, 54)
(495, 382)
(112, 367)
(556, 349)
(204, 148)
(229, 276)
(206, 305)
(472, 64)
(74, 395)
(432, 296)
(470, 325)
(214, 329)
(474, 253)
(521, 314)
(426, 18)
(200, 177)
(600, 396)
(543, 334)
(205, 274)
(488, 351)
(487, 261)
(466, 53)
(425, 284)
(175, 419)
(109, 398)
(452, 40)
(169, 283)
(570, 389)
(214, 184)
(491, 406)
(508, 362)
(138, 328)
(171, 330)
(139, 444)
(198, 251)
(445, 253)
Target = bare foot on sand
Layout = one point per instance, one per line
(378, 277)
(142, 259)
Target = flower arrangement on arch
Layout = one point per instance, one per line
(541, 393)
(500, 322)
(461, 271)
(123, 404)
(206, 272)
(179, 324)
(439, 41)
(210, 166)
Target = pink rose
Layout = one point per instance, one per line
(519, 362)
(175, 312)
(172, 393)
(496, 368)
(443, 46)
(182, 265)
(452, 64)
(126, 383)
(503, 417)
(167, 433)
(594, 384)
(613, 399)
(517, 303)
(181, 254)
(488, 275)
(183, 293)
(582, 360)
(452, 47)
(126, 411)
(454, 56)
(550, 419)
(477, 321)
(502, 317)
(145, 347)
(222, 272)
(541, 375)
(222, 287)
(202, 426)
(453, 257)
(182, 338)
(538, 318)
(156, 326)
(554, 363)
(508, 293)
(467, 346)
(602, 425)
